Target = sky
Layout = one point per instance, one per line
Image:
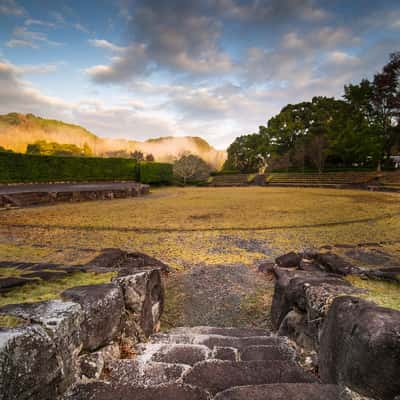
(217, 69)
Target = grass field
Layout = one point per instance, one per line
(187, 227)
(202, 225)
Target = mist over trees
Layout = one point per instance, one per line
(362, 129)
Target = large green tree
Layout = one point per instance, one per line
(250, 153)
(361, 129)
(379, 103)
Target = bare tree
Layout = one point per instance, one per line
(191, 168)
(318, 151)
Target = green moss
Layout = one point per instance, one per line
(385, 294)
(49, 290)
(8, 321)
(6, 272)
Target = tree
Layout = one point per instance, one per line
(137, 155)
(250, 153)
(191, 168)
(87, 151)
(379, 103)
(4, 150)
(386, 102)
(318, 151)
(41, 147)
(149, 157)
(117, 154)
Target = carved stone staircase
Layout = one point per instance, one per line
(204, 363)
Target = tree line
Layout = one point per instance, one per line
(360, 130)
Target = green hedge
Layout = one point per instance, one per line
(153, 172)
(32, 168)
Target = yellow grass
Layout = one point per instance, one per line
(385, 294)
(185, 226)
(49, 290)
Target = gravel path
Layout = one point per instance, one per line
(219, 295)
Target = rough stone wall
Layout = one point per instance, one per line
(356, 343)
(29, 198)
(75, 338)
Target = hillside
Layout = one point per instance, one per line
(18, 130)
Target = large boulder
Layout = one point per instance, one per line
(109, 259)
(391, 274)
(143, 295)
(360, 348)
(336, 264)
(123, 262)
(103, 308)
(290, 291)
(62, 323)
(30, 367)
(289, 260)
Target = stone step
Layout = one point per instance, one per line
(267, 353)
(212, 340)
(209, 330)
(137, 372)
(190, 354)
(205, 363)
(285, 391)
(215, 375)
(101, 390)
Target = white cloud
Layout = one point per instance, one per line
(79, 27)
(22, 37)
(105, 44)
(340, 58)
(30, 21)
(10, 7)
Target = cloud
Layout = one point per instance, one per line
(126, 120)
(22, 37)
(177, 36)
(133, 61)
(79, 27)
(10, 7)
(105, 44)
(30, 21)
(271, 10)
(18, 95)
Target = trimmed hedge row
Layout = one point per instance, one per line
(152, 172)
(32, 168)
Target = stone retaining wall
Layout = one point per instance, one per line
(356, 342)
(70, 194)
(61, 342)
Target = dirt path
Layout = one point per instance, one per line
(222, 295)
